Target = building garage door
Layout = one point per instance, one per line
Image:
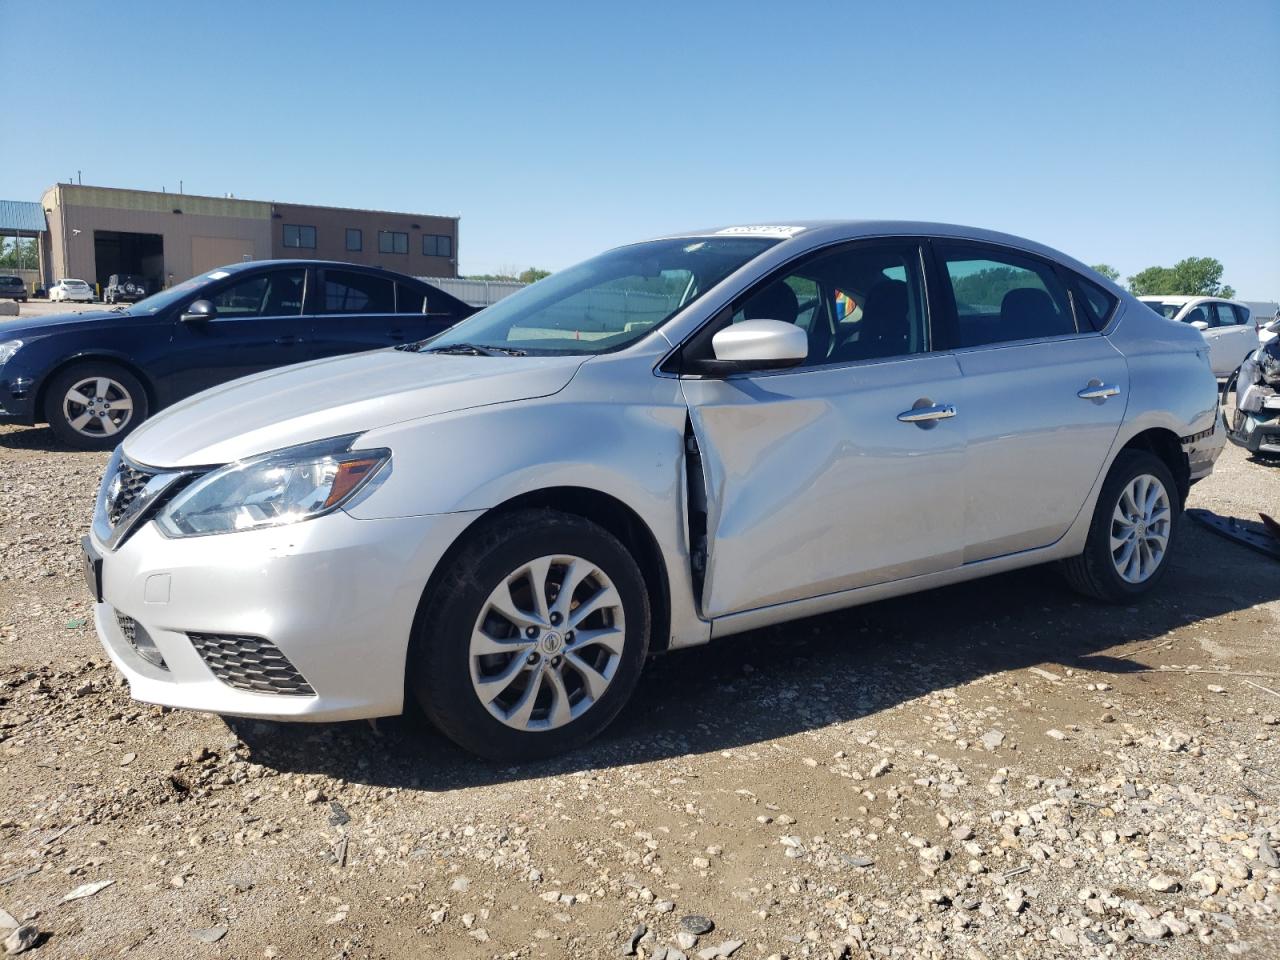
(208, 253)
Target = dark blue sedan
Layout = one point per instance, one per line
(95, 376)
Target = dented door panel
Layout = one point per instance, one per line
(813, 485)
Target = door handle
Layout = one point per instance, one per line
(288, 340)
(1097, 390)
(939, 411)
(396, 334)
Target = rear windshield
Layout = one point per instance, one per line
(608, 302)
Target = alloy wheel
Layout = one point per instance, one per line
(547, 643)
(1140, 527)
(97, 407)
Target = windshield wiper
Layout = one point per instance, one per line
(477, 350)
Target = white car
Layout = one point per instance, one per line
(1225, 324)
(674, 442)
(68, 290)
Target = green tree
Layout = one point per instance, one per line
(19, 254)
(1107, 270)
(1194, 276)
(533, 275)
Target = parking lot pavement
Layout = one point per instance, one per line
(997, 769)
(43, 308)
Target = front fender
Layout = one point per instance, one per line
(631, 449)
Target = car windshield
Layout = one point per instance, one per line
(164, 298)
(1166, 310)
(605, 303)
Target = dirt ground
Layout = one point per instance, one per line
(998, 769)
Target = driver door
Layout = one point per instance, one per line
(259, 324)
(845, 471)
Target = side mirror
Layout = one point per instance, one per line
(760, 345)
(1273, 326)
(1200, 324)
(198, 312)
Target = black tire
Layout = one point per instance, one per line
(1093, 573)
(125, 383)
(439, 667)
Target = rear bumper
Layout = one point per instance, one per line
(1203, 449)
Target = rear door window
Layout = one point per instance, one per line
(1226, 315)
(1001, 296)
(347, 291)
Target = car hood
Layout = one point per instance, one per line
(333, 397)
(39, 326)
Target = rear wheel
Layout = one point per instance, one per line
(1132, 532)
(535, 639)
(94, 405)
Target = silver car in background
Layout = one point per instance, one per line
(676, 441)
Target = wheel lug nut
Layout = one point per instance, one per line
(555, 661)
(533, 658)
(568, 636)
(531, 632)
(555, 619)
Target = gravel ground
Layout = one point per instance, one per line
(993, 770)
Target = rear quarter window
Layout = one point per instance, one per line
(1094, 303)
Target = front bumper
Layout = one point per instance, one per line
(336, 595)
(17, 399)
(1258, 433)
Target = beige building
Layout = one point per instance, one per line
(94, 232)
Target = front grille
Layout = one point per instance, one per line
(124, 488)
(250, 663)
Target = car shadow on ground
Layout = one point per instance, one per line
(810, 674)
(35, 438)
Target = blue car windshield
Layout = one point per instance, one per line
(605, 303)
(158, 301)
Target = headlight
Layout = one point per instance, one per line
(297, 483)
(8, 349)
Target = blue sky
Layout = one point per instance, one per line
(1134, 133)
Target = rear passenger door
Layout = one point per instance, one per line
(355, 310)
(1042, 393)
(1230, 336)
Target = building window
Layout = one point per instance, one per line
(299, 236)
(391, 242)
(355, 239)
(437, 245)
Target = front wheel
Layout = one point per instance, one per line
(94, 405)
(535, 638)
(1132, 532)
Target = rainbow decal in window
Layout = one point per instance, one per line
(845, 305)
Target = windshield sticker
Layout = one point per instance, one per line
(218, 275)
(759, 231)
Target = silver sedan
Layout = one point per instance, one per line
(675, 441)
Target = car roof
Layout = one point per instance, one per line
(808, 233)
(304, 262)
(1183, 299)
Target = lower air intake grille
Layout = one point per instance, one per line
(250, 663)
(128, 627)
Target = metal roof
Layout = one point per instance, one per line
(22, 216)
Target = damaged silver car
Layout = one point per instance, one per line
(1255, 422)
(674, 442)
